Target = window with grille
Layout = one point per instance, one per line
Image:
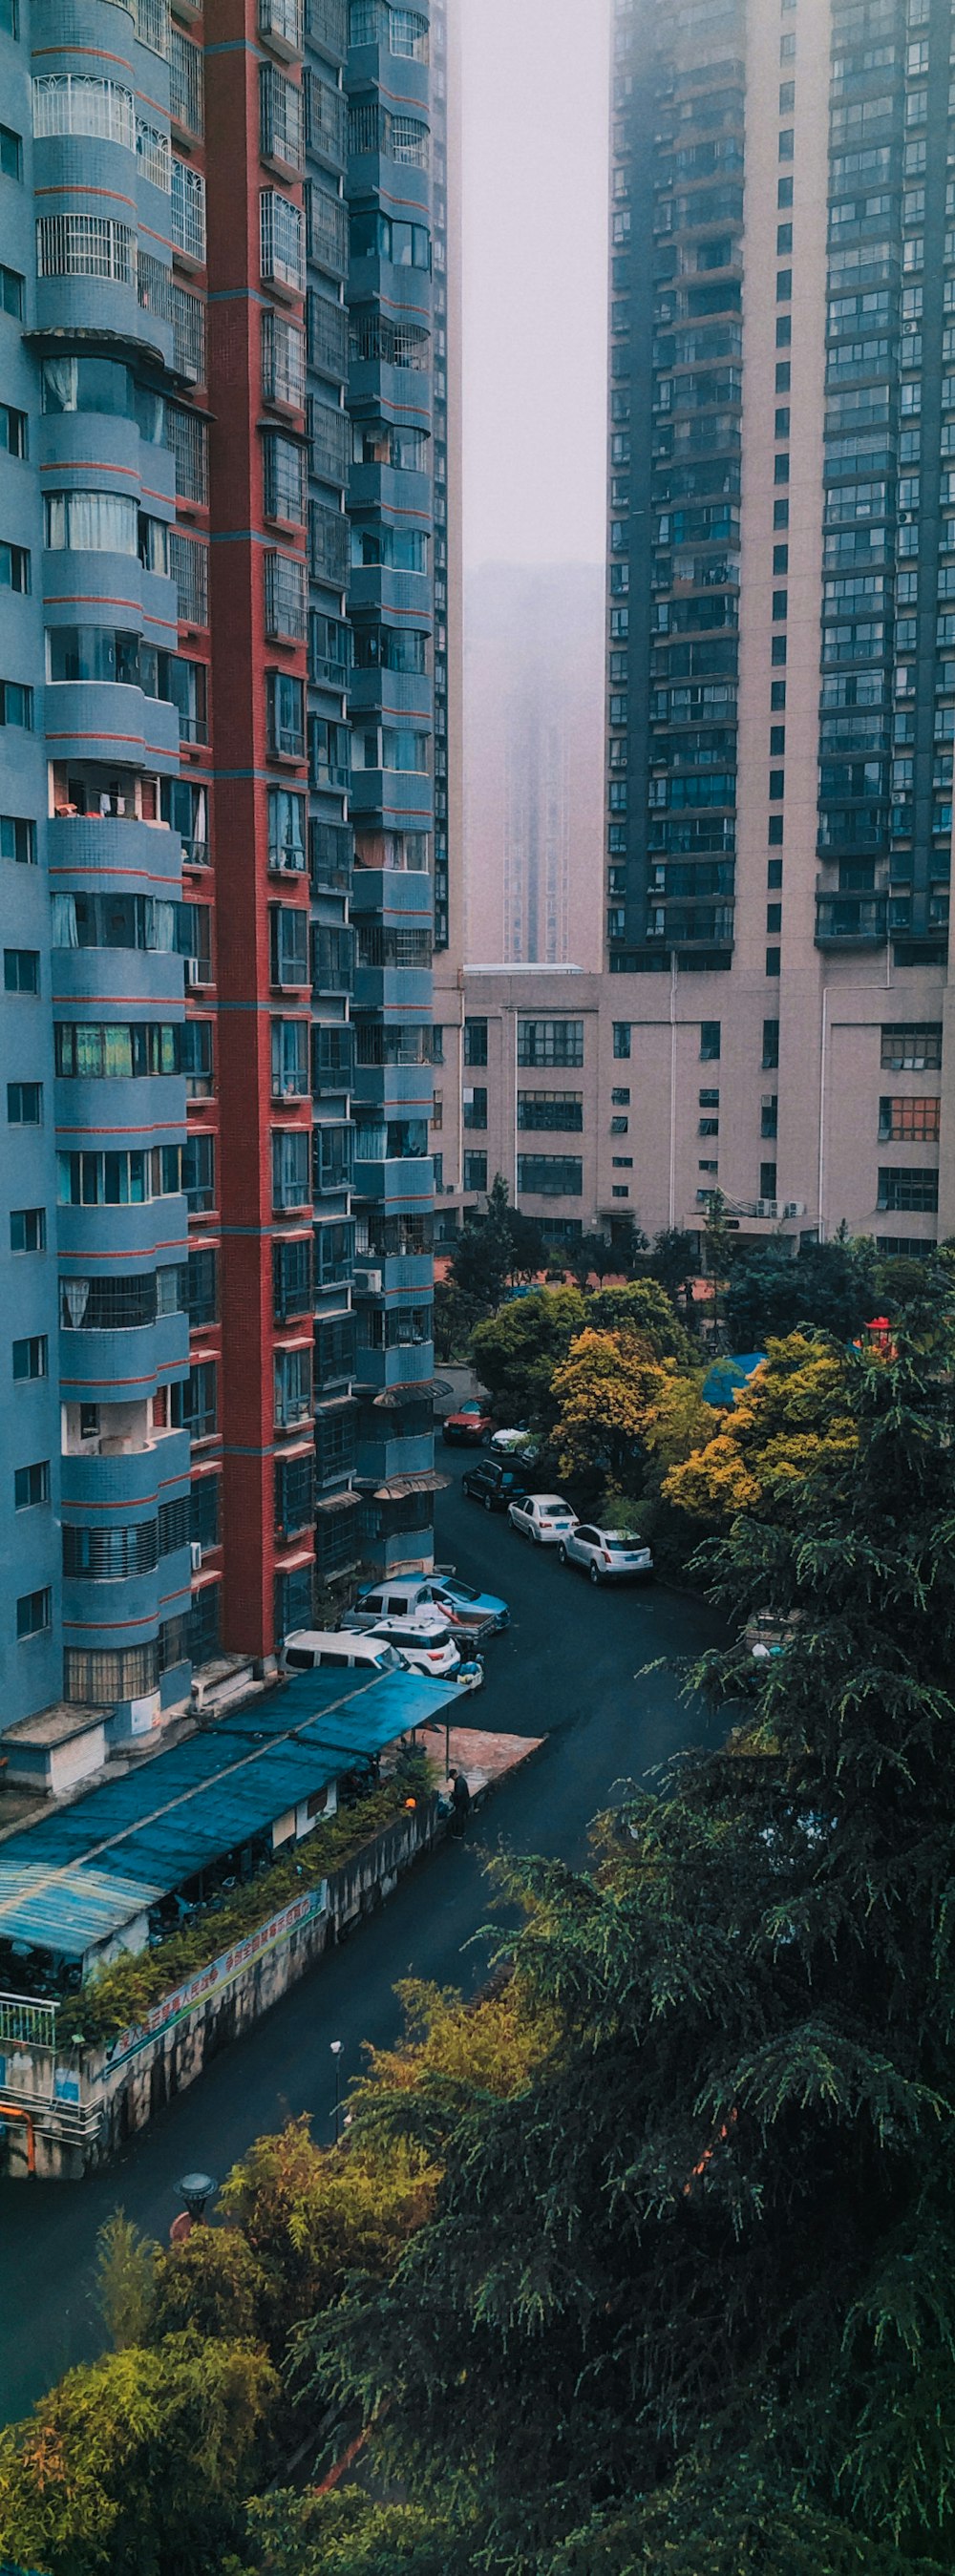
(332, 1159)
(914, 1189)
(280, 118)
(196, 1058)
(286, 810)
(193, 1401)
(283, 477)
(187, 315)
(185, 83)
(328, 545)
(292, 1278)
(188, 437)
(286, 606)
(335, 1443)
(553, 1109)
(334, 1349)
(475, 1171)
(326, 119)
(205, 1511)
(558, 1176)
(172, 1525)
(188, 211)
(154, 155)
(285, 704)
(408, 34)
(281, 240)
(203, 1628)
(291, 1157)
(407, 141)
(289, 944)
(333, 967)
(189, 569)
(915, 1120)
(327, 327)
(545, 1042)
(199, 1173)
(66, 104)
(377, 341)
(100, 1679)
(293, 1387)
(913, 1049)
(106, 1555)
(327, 229)
(294, 1495)
(86, 246)
(283, 361)
(151, 21)
(328, 440)
(201, 1288)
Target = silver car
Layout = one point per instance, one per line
(608, 1556)
(544, 1518)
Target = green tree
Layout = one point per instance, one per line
(125, 2276)
(831, 1286)
(213, 2283)
(138, 2465)
(347, 2533)
(517, 1350)
(643, 1308)
(690, 2293)
(592, 1257)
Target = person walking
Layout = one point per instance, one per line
(461, 1802)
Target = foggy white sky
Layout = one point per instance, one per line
(535, 266)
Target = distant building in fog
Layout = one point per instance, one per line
(533, 755)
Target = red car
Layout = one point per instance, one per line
(469, 1427)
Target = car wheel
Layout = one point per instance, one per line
(561, 1554)
(488, 1505)
(594, 1574)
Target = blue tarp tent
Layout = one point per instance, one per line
(728, 1377)
(72, 1880)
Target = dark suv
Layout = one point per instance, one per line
(493, 1484)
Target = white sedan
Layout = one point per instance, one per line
(545, 1518)
(424, 1642)
(608, 1556)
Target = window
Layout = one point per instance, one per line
(11, 297)
(621, 1038)
(28, 1229)
(186, 559)
(912, 1190)
(21, 970)
(286, 715)
(555, 1176)
(9, 18)
(283, 477)
(916, 1121)
(281, 240)
(710, 1041)
(199, 1173)
(30, 1357)
(293, 1387)
(19, 840)
(290, 1069)
(291, 1167)
(772, 961)
(31, 1485)
(99, 1678)
(288, 936)
(13, 430)
(280, 118)
(86, 521)
(474, 1110)
(14, 568)
(193, 1401)
(118, 1047)
(34, 1612)
(293, 1278)
(16, 705)
(283, 361)
(550, 1042)
(285, 597)
(204, 1512)
(475, 1171)
(560, 1111)
(294, 1495)
(916, 1049)
(24, 1104)
(201, 1294)
(286, 810)
(125, 1179)
(475, 1041)
(767, 1180)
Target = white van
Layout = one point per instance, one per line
(338, 1650)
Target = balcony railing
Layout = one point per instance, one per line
(850, 921)
(327, 25)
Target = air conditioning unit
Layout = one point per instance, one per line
(795, 1207)
(195, 1554)
(372, 1281)
(192, 970)
(767, 1207)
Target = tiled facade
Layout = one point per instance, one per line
(215, 308)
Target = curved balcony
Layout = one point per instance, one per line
(93, 1365)
(84, 845)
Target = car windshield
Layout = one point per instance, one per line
(389, 1661)
(462, 1591)
(554, 1512)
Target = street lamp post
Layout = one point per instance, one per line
(195, 2190)
(336, 2049)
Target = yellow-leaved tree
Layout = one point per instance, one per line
(793, 1415)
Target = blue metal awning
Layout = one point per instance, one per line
(73, 1879)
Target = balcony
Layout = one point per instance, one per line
(851, 921)
(280, 22)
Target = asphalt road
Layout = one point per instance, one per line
(568, 1667)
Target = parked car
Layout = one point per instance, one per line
(424, 1642)
(544, 1518)
(338, 1650)
(469, 1426)
(493, 1484)
(608, 1556)
(517, 1443)
(465, 1603)
(474, 1614)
